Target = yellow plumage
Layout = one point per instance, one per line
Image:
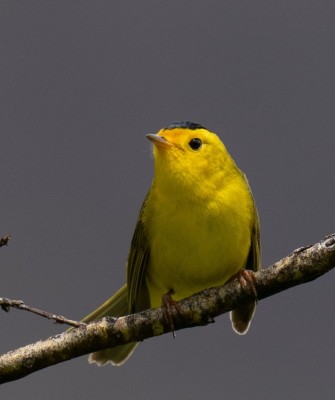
(198, 226)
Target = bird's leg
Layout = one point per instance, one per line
(246, 278)
(167, 305)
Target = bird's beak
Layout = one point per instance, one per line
(159, 141)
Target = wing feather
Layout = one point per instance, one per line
(138, 296)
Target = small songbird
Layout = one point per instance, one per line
(197, 228)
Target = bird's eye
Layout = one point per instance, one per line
(195, 143)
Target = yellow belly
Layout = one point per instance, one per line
(195, 248)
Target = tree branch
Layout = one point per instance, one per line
(303, 265)
(5, 304)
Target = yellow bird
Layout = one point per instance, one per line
(198, 227)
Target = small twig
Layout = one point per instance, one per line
(4, 240)
(5, 304)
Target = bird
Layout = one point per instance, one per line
(198, 227)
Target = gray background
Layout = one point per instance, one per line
(81, 84)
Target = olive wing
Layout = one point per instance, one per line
(138, 258)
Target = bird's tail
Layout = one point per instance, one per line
(241, 317)
(116, 306)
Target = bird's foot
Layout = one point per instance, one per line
(247, 279)
(168, 304)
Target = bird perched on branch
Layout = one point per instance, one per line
(197, 228)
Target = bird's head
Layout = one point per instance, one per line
(188, 154)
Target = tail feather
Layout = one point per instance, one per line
(116, 306)
(241, 317)
(115, 356)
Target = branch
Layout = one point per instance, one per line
(303, 265)
(5, 304)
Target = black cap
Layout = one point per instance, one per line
(184, 125)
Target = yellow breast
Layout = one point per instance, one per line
(196, 244)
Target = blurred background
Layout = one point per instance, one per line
(81, 83)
